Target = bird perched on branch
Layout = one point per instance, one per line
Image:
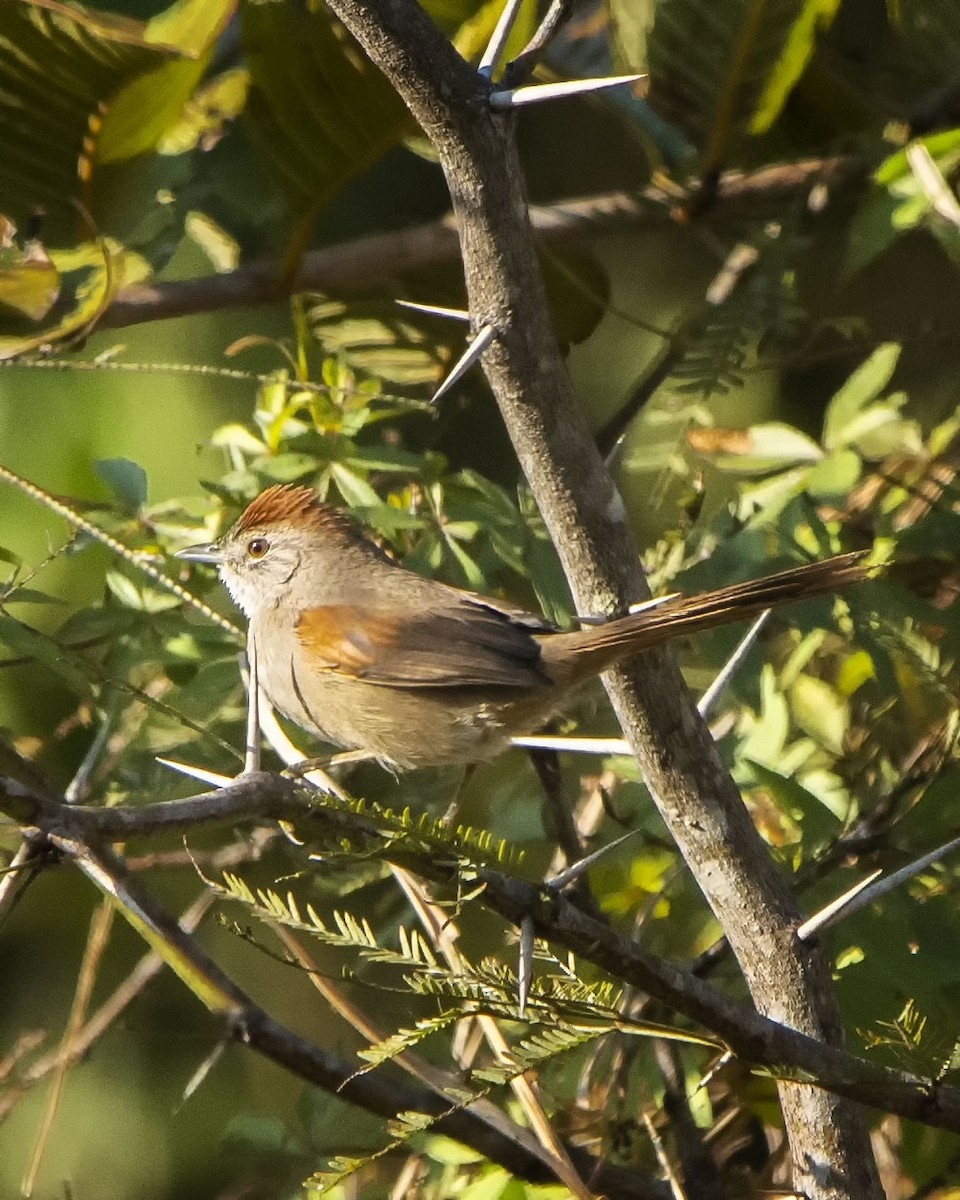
(371, 656)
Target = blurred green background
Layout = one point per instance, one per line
(869, 261)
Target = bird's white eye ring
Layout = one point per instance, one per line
(257, 547)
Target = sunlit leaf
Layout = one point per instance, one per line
(864, 385)
(820, 711)
(473, 35)
(761, 448)
(221, 249)
(89, 87)
(767, 732)
(238, 437)
(29, 282)
(354, 489)
(379, 338)
(205, 114)
(816, 15)
(899, 201)
(88, 277)
(799, 803)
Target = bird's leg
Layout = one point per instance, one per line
(450, 816)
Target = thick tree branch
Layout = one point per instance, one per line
(586, 519)
(354, 267)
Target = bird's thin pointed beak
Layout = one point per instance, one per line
(210, 553)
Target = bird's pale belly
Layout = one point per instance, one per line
(407, 727)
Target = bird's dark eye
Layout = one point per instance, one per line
(257, 547)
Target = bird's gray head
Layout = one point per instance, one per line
(279, 534)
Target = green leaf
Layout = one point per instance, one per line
(473, 35)
(816, 15)
(24, 642)
(318, 112)
(25, 595)
(879, 430)
(835, 477)
(767, 732)
(354, 489)
(384, 458)
(757, 450)
(715, 65)
(126, 479)
(125, 590)
(819, 824)
(88, 277)
(378, 338)
(632, 21)
(900, 201)
(189, 26)
(222, 251)
(285, 468)
(89, 87)
(205, 114)
(864, 385)
(145, 109)
(943, 148)
(238, 437)
(29, 281)
(820, 711)
(141, 599)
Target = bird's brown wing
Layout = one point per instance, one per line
(465, 643)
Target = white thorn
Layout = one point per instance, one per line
(725, 1057)
(291, 755)
(436, 310)
(871, 889)
(574, 745)
(498, 40)
(732, 665)
(200, 773)
(465, 361)
(831, 912)
(564, 878)
(653, 602)
(591, 622)
(515, 97)
(201, 1073)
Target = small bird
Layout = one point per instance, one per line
(370, 656)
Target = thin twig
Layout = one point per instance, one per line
(97, 939)
(350, 268)
(135, 558)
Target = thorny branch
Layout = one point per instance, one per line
(79, 832)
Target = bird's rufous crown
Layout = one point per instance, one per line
(296, 507)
